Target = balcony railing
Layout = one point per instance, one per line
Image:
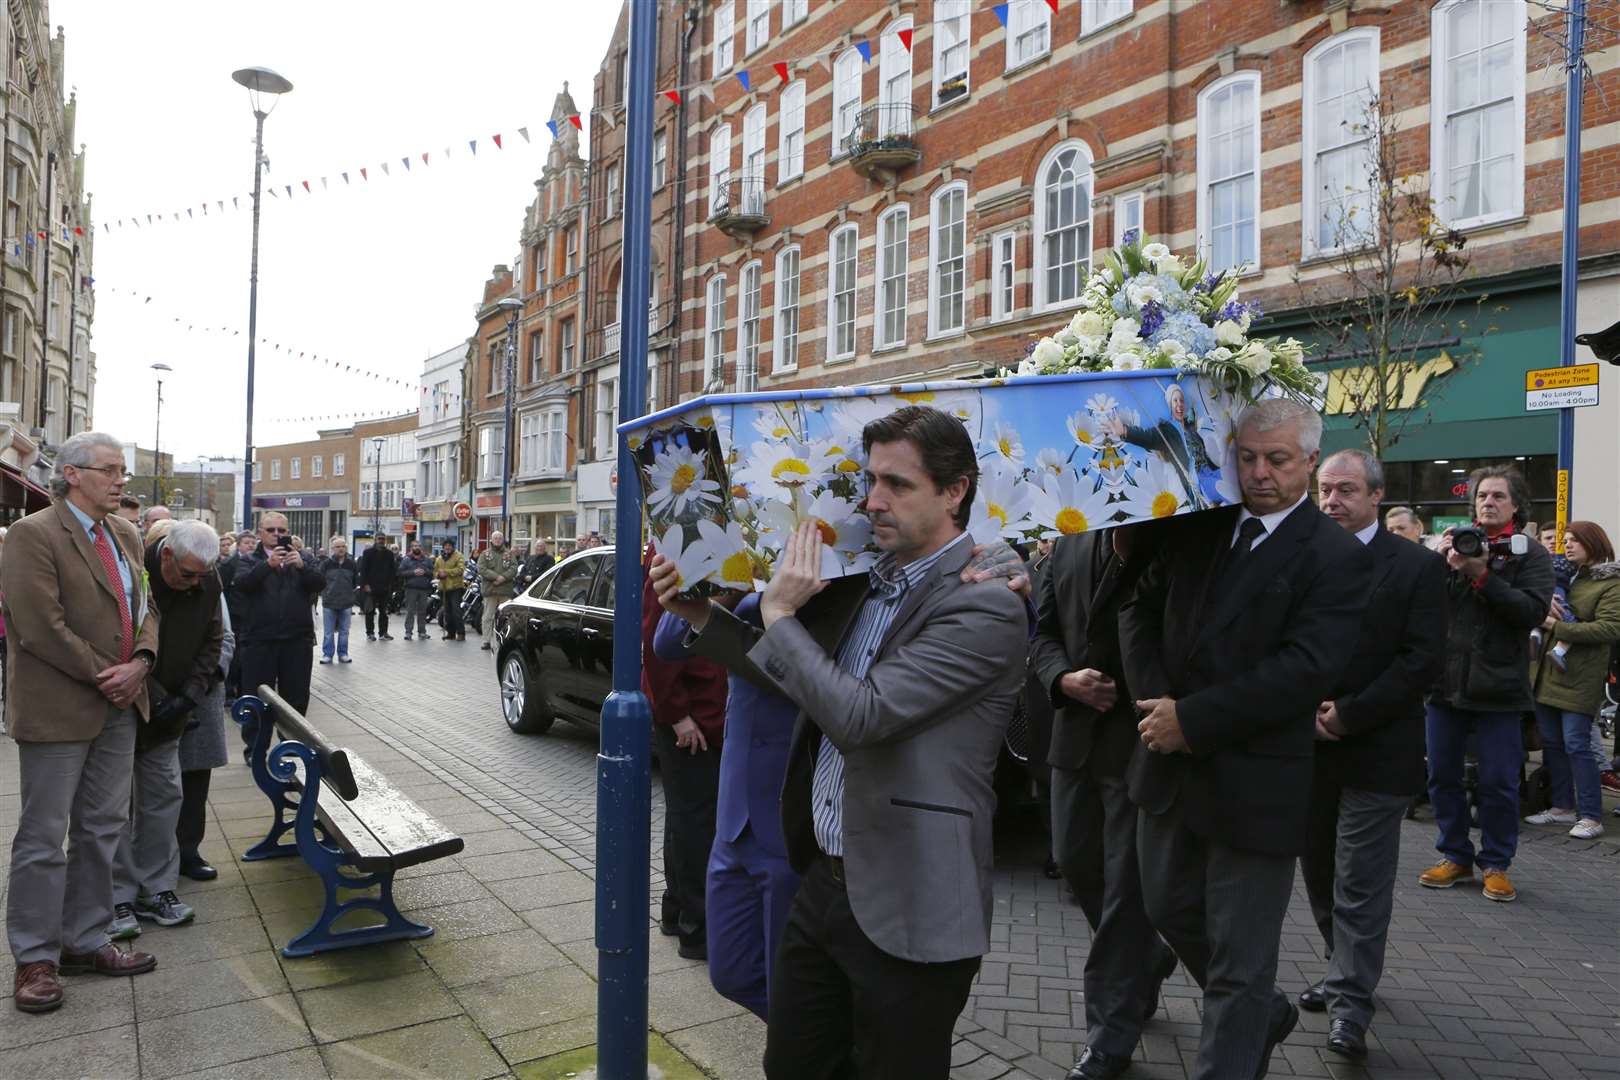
(737, 206)
(883, 138)
(603, 341)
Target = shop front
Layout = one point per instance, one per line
(545, 512)
(314, 518)
(598, 494)
(1461, 406)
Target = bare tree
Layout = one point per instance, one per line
(1395, 305)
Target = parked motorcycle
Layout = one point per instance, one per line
(472, 602)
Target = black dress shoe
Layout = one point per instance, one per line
(1313, 998)
(1051, 870)
(1164, 972)
(198, 871)
(1348, 1038)
(1096, 1065)
(693, 950)
(1280, 1030)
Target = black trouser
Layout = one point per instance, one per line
(284, 666)
(451, 609)
(842, 1007)
(376, 612)
(1094, 842)
(193, 814)
(691, 790)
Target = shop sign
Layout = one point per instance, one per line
(1404, 383)
(291, 502)
(461, 512)
(1572, 387)
(487, 502)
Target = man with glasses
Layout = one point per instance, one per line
(277, 634)
(84, 637)
(191, 631)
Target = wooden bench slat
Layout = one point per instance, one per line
(335, 767)
(408, 833)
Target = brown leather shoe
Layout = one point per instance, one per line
(108, 960)
(37, 989)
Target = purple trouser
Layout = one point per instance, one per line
(749, 893)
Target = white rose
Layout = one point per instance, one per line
(1172, 349)
(1064, 337)
(1289, 353)
(1256, 359)
(1086, 345)
(1142, 293)
(1088, 324)
(1154, 252)
(1220, 353)
(1130, 360)
(1027, 366)
(1170, 265)
(1047, 352)
(1229, 333)
(1125, 330)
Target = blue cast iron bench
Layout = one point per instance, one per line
(352, 827)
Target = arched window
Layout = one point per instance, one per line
(1340, 139)
(786, 352)
(894, 252)
(841, 248)
(1229, 172)
(846, 97)
(719, 169)
(947, 260)
(790, 133)
(1062, 225)
(1477, 128)
(714, 327)
(749, 294)
(752, 195)
(894, 81)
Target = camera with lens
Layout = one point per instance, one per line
(1470, 542)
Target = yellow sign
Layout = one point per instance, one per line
(1350, 389)
(1557, 378)
(1563, 508)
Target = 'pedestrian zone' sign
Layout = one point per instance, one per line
(1561, 387)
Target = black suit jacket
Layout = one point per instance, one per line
(1247, 668)
(1399, 653)
(1081, 577)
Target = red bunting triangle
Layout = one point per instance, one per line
(498, 145)
(905, 35)
(781, 70)
(306, 187)
(578, 124)
(424, 159)
(1049, 3)
(673, 95)
(363, 175)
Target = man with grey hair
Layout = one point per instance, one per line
(186, 590)
(83, 636)
(1369, 752)
(1237, 623)
(155, 513)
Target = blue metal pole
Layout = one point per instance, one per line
(1572, 229)
(253, 319)
(624, 773)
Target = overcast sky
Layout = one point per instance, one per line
(381, 273)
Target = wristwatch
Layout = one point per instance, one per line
(145, 656)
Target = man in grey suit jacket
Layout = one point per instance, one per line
(906, 678)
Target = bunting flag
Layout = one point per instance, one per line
(424, 158)
(523, 132)
(472, 144)
(825, 64)
(782, 70)
(1053, 5)
(702, 90)
(306, 187)
(289, 191)
(363, 175)
(579, 125)
(742, 77)
(905, 35)
(272, 192)
(551, 125)
(188, 212)
(323, 183)
(498, 145)
(234, 204)
(384, 165)
(222, 206)
(1001, 13)
(407, 162)
(865, 49)
(675, 95)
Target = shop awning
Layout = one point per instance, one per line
(17, 492)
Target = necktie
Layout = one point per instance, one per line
(1251, 530)
(109, 563)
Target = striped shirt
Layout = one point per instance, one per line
(890, 583)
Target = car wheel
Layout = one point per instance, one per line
(523, 700)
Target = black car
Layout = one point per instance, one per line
(554, 645)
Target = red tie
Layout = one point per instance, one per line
(109, 562)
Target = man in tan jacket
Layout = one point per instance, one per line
(83, 637)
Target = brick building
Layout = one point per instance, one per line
(387, 479)
(890, 212)
(312, 482)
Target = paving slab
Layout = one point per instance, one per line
(494, 956)
(111, 1051)
(360, 1008)
(192, 1041)
(452, 1047)
(88, 1004)
(184, 988)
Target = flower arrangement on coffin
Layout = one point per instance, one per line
(1147, 308)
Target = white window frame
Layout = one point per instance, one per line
(714, 326)
(660, 158)
(339, 462)
(1097, 14)
(725, 37)
(790, 133)
(1025, 20)
(605, 414)
(758, 16)
(894, 80)
(1440, 171)
(848, 77)
(297, 467)
(275, 468)
(553, 439)
(1206, 243)
(570, 250)
(612, 195)
(258, 470)
(1122, 223)
(317, 466)
(528, 444)
(1088, 178)
(719, 166)
(1311, 193)
(953, 28)
(937, 267)
(785, 347)
(1003, 274)
(751, 191)
(750, 297)
(568, 332)
(835, 290)
(794, 12)
(891, 248)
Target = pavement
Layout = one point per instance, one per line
(506, 985)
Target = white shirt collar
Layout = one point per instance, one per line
(1270, 521)
(1366, 535)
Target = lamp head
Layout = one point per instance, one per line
(261, 83)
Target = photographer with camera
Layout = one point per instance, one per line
(1499, 589)
(277, 636)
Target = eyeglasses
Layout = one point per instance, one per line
(115, 473)
(271, 529)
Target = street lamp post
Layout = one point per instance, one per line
(514, 309)
(376, 495)
(260, 83)
(157, 435)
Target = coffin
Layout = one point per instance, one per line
(726, 478)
